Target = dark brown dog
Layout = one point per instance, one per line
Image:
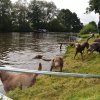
(57, 62)
(80, 48)
(38, 57)
(95, 46)
(11, 80)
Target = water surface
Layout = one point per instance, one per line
(19, 49)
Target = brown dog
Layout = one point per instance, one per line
(11, 80)
(95, 46)
(57, 62)
(80, 48)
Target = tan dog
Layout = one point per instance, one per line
(57, 62)
(12, 80)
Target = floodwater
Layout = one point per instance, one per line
(19, 49)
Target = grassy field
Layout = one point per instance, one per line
(66, 88)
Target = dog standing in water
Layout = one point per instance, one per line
(13, 80)
(57, 62)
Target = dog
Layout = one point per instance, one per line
(57, 62)
(95, 46)
(80, 47)
(38, 57)
(13, 80)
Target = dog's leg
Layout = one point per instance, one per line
(60, 46)
(51, 68)
(60, 68)
(81, 55)
(75, 54)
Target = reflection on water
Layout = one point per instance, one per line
(19, 49)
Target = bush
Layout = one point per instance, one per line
(91, 27)
(55, 26)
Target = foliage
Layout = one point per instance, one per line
(48, 9)
(20, 17)
(91, 27)
(76, 23)
(69, 20)
(66, 88)
(94, 5)
(41, 12)
(5, 15)
(34, 14)
(55, 26)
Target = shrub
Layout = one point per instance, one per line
(91, 27)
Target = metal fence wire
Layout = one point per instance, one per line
(49, 73)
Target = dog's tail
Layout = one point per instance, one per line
(39, 68)
(91, 36)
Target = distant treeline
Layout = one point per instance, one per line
(22, 16)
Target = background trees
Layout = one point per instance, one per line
(19, 13)
(94, 5)
(41, 12)
(91, 27)
(56, 26)
(34, 14)
(70, 20)
(5, 16)
(22, 16)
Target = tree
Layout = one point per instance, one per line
(41, 12)
(65, 18)
(94, 5)
(20, 17)
(76, 24)
(55, 26)
(69, 20)
(91, 27)
(5, 16)
(48, 9)
(34, 14)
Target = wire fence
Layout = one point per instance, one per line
(49, 73)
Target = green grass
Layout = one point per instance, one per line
(66, 88)
(87, 35)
